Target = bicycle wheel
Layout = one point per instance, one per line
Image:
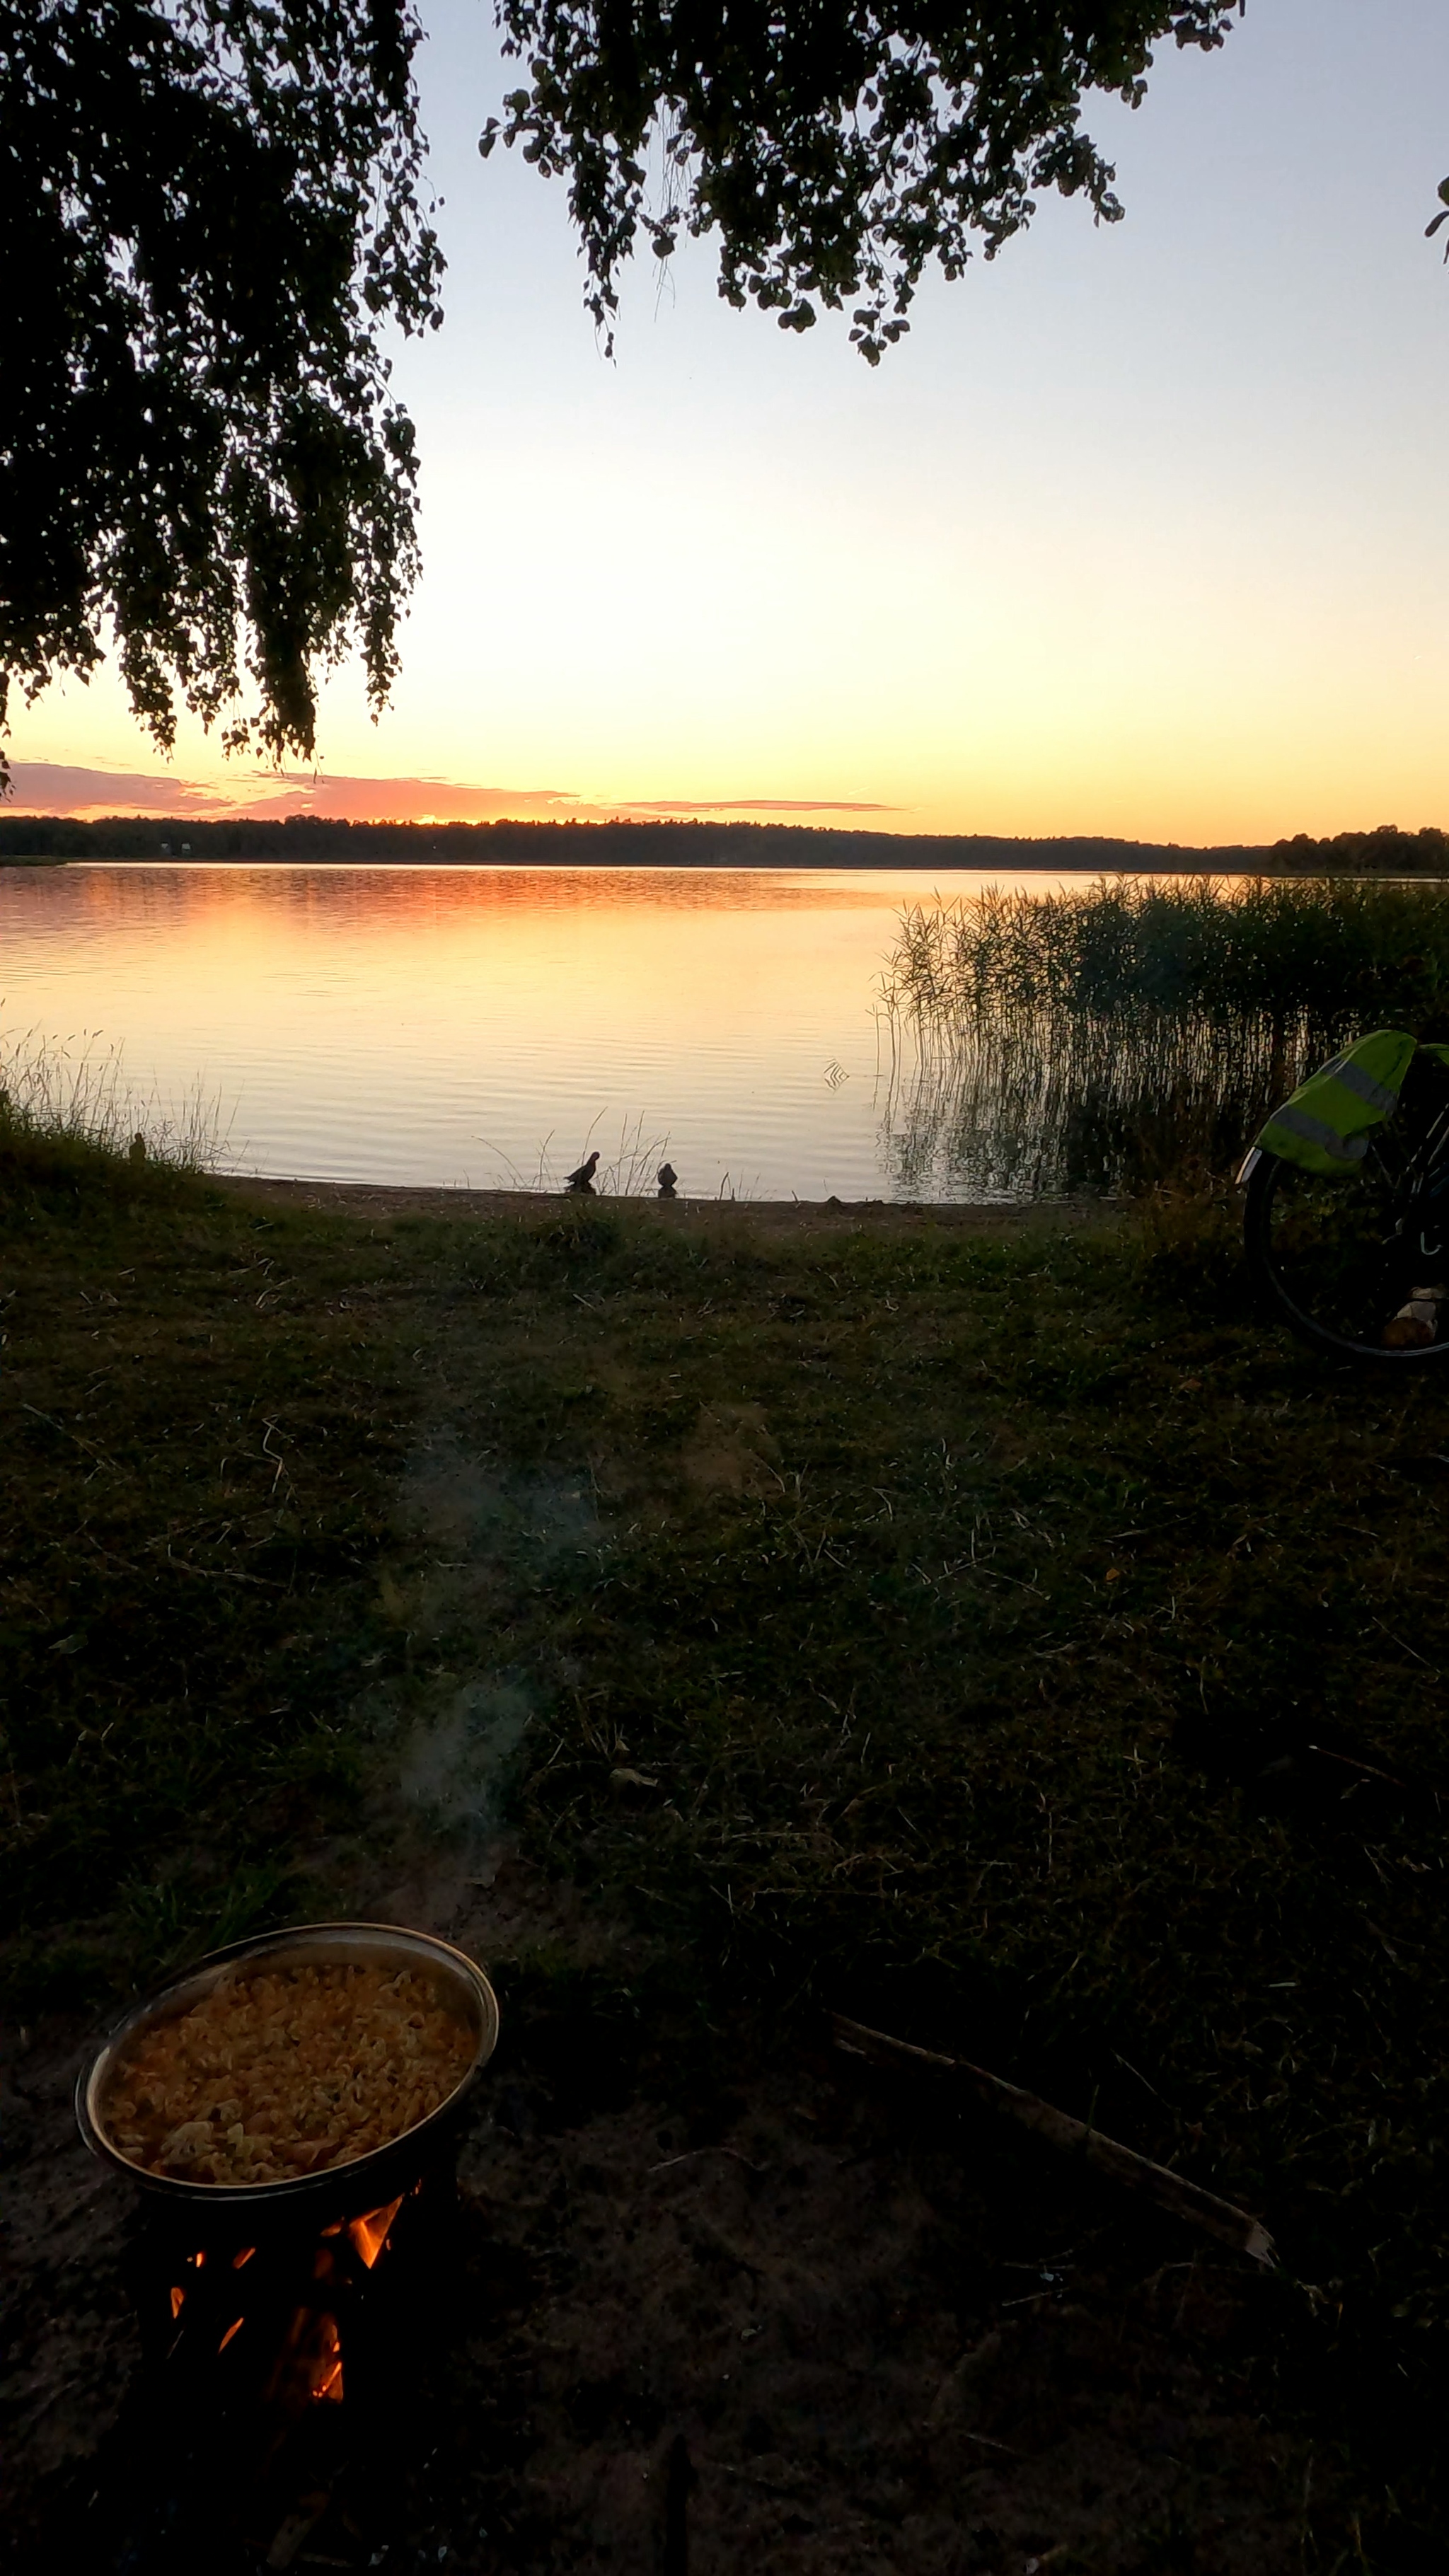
(1339, 1257)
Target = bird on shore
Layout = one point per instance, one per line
(667, 1178)
(581, 1182)
(136, 1150)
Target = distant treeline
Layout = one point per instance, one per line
(317, 838)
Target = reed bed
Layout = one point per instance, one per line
(1269, 949)
(1051, 1104)
(1138, 1032)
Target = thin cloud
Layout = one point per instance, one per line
(90, 795)
(54, 787)
(415, 800)
(761, 805)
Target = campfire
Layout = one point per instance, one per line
(278, 2358)
(283, 2322)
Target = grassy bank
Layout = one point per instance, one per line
(929, 1621)
(195, 1490)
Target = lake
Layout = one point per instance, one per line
(488, 1027)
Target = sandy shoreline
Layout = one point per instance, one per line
(392, 1199)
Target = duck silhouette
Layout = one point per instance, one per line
(667, 1179)
(581, 1182)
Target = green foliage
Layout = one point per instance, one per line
(834, 151)
(169, 1921)
(682, 844)
(208, 209)
(37, 1162)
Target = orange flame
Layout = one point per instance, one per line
(369, 2234)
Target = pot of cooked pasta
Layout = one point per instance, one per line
(301, 2065)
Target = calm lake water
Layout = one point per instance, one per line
(487, 1027)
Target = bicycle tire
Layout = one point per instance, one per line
(1335, 1258)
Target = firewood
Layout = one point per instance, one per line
(1121, 2164)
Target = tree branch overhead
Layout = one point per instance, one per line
(209, 207)
(834, 149)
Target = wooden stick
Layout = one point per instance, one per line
(1366, 1770)
(1185, 2199)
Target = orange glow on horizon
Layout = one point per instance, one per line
(1252, 810)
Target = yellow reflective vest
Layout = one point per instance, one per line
(1325, 1126)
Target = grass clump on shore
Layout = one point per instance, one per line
(70, 1122)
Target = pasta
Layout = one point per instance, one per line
(284, 2071)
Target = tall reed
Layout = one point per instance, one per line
(1045, 1104)
(1335, 948)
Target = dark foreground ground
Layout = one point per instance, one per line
(886, 2338)
(981, 1626)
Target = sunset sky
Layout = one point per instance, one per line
(1142, 530)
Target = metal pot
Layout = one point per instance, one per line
(367, 2181)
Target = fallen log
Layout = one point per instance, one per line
(1172, 2191)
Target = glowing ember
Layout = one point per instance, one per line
(330, 2385)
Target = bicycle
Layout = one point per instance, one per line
(1355, 1257)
